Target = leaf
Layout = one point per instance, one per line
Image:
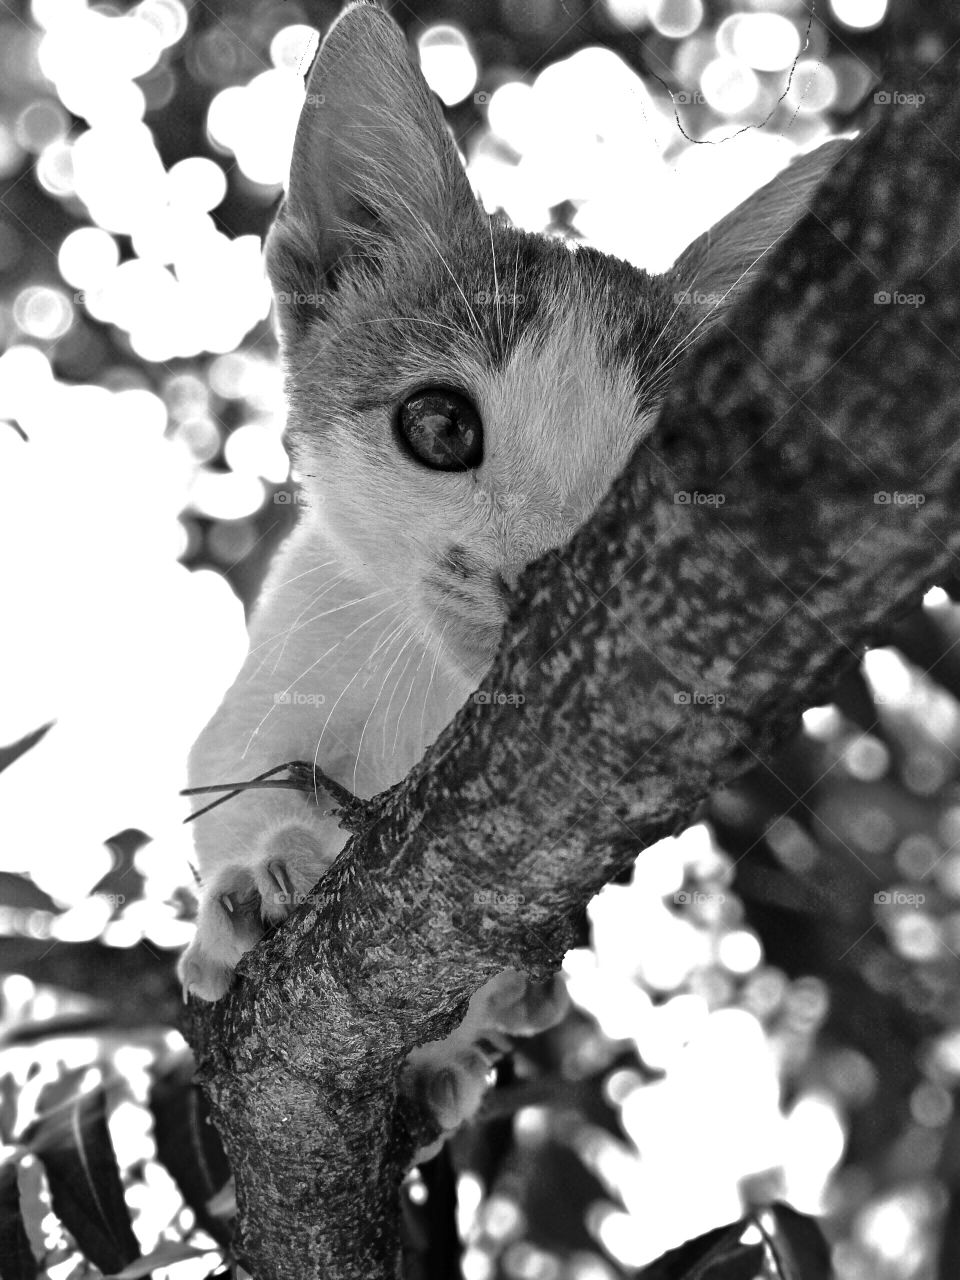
(19, 891)
(73, 1143)
(8, 1107)
(746, 1263)
(801, 1251)
(716, 1255)
(188, 1146)
(166, 1254)
(16, 749)
(16, 1257)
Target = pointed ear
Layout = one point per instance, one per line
(373, 164)
(722, 263)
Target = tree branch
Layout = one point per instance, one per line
(659, 655)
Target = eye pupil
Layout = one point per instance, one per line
(442, 430)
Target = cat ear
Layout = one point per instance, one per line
(373, 164)
(721, 264)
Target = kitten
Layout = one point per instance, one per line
(461, 395)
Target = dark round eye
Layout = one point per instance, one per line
(442, 429)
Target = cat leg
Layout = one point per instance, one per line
(241, 900)
(449, 1077)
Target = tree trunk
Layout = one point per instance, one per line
(671, 646)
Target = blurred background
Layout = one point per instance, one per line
(768, 1009)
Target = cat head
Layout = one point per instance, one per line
(461, 394)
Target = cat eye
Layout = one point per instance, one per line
(442, 429)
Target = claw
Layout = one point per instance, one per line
(227, 903)
(279, 876)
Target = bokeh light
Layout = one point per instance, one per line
(42, 313)
(765, 41)
(447, 64)
(293, 48)
(729, 86)
(859, 14)
(676, 18)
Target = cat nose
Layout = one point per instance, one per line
(506, 580)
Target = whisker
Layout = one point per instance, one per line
(497, 301)
(359, 752)
(317, 617)
(426, 692)
(380, 641)
(425, 635)
(386, 711)
(295, 625)
(366, 622)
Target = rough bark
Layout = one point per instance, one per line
(812, 400)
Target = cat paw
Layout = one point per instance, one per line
(242, 900)
(449, 1090)
(448, 1078)
(515, 1006)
